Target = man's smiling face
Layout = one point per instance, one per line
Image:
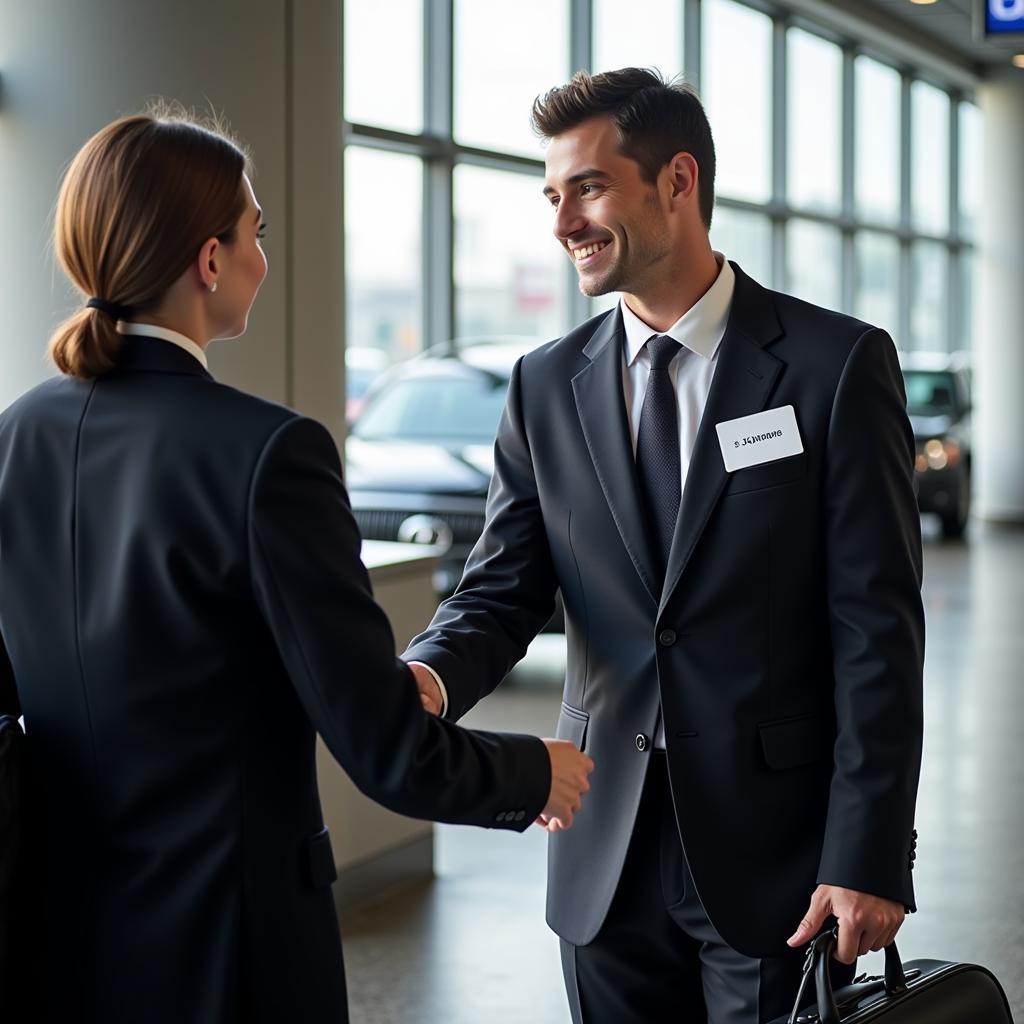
(609, 220)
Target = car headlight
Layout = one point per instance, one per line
(937, 454)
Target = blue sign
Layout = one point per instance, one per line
(1004, 17)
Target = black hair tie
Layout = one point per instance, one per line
(112, 309)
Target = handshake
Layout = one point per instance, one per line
(569, 767)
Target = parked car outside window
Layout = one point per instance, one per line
(421, 455)
(939, 406)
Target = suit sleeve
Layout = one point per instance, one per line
(339, 651)
(507, 593)
(873, 580)
(9, 704)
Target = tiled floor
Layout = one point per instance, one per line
(472, 948)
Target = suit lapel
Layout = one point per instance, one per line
(601, 404)
(742, 384)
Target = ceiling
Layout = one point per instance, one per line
(946, 23)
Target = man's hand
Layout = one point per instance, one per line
(430, 695)
(865, 922)
(569, 771)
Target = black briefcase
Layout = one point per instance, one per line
(917, 992)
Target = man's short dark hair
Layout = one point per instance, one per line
(655, 119)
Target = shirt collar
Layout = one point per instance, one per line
(165, 334)
(700, 328)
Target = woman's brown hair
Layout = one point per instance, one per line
(137, 203)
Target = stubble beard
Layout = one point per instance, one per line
(628, 270)
(610, 280)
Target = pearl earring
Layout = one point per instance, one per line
(213, 286)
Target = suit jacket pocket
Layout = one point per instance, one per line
(320, 860)
(768, 474)
(791, 742)
(572, 725)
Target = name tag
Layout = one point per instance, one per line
(763, 437)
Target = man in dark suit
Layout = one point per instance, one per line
(718, 478)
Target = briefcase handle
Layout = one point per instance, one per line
(819, 953)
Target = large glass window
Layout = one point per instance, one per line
(929, 175)
(383, 201)
(504, 58)
(929, 283)
(877, 141)
(876, 298)
(512, 278)
(813, 262)
(510, 273)
(814, 122)
(736, 63)
(388, 94)
(746, 238)
(641, 34)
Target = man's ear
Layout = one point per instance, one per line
(683, 176)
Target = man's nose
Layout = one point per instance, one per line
(569, 221)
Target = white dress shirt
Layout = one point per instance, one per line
(165, 334)
(700, 331)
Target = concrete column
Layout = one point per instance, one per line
(273, 69)
(999, 309)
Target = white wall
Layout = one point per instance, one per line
(999, 309)
(273, 68)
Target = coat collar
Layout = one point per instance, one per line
(154, 355)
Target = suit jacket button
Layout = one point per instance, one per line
(667, 637)
(520, 815)
(641, 742)
(501, 816)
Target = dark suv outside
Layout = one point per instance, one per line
(420, 456)
(939, 405)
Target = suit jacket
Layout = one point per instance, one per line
(785, 647)
(183, 606)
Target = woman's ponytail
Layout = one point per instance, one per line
(86, 344)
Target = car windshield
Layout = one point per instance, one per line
(930, 393)
(465, 410)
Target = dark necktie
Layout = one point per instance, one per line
(657, 449)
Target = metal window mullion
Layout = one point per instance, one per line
(848, 281)
(438, 67)
(581, 30)
(581, 57)
(779, 142)
(692, 41)
(905, 296)
(954, 313)
(438, 219)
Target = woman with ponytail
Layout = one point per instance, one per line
(182, 608)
